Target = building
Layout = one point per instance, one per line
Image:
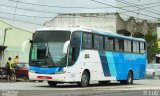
(104, 21)
(11, 40)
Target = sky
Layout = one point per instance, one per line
(31, 14)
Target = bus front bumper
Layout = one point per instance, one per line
(65, 77)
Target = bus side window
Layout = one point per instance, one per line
(74, 48)
(135, 47)
(118, 44)
(142, 47)
(109, 43)
(127, 46)
(98, 42)
(87, 41)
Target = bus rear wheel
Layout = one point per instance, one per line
(129, 79)
(52, 83)
(153, 75)
(84, 79)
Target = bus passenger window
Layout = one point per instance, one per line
(109, 43)
(135, 47)
(127, 45)
(98, 42)
(142, 47)
(118, 44)
(87, 40)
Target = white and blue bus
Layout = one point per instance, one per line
(82, 55)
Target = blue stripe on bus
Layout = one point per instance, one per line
(111, 63)
(46, 70)
(104, 63)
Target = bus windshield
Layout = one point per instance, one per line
(47, 49)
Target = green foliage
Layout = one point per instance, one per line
(152, 45)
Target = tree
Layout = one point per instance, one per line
(152, 45)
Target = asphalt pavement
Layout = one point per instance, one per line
(146, 87)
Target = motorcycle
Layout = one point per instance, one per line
(3, 76)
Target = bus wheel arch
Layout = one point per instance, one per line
(129, 79)
(85, 78)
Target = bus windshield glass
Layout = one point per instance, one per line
(47, 49)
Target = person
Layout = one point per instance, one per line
(9, 68)
(16, 60)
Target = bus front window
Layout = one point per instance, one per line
(47, 49)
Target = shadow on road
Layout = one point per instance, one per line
(68, 85)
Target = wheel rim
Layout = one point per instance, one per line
(130, 78)
(13, 78)
(153, 75)
(84, 79)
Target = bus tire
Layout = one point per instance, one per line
(84, 79)
(52, 83)
(129, 79)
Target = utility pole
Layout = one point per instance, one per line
(4, 39)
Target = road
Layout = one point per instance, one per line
(146, 87)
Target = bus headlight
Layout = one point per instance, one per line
(61, 72)
(31, 71)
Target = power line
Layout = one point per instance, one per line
(75, 7)
(28, 9)
(144, 4)
(64, 7)
(25, 15)
(146, 10)
(21, 21)
(122, 8)
(135, 5)
(59, 6)
(140, 8)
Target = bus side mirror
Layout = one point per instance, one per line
(65, 47)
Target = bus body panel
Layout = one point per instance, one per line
(102, 66)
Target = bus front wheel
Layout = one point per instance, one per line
(84, 79)
(52, 83)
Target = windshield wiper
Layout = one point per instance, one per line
(48, 57)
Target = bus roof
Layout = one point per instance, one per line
(90, 30)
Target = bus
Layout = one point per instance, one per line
(82, 55)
